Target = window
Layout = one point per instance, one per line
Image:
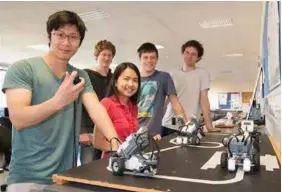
(3, 102)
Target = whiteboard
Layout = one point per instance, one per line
(273, 45)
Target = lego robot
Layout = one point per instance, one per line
(242, 149)
(189, 133)
(130, 155)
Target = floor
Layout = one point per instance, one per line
(3, 176)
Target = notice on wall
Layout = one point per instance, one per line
(235, 101)
(246, 98)
(222, 98)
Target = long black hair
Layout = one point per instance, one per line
(119, 69)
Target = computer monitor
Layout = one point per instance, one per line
(6, 112)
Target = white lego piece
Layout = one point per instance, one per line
(132, 163)
(247, 165)
(231, 164)
(179, 140)
(247, 125)
(185, 140)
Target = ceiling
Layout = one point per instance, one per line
(130, 24)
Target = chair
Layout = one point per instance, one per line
(5, 145)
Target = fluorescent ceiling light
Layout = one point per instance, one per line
(12, 56)
(92, 15)
(4, 64)
(234, 55)
(216, 23)
(113, 65)
(226, 72)
(159, 47)
(39, 47)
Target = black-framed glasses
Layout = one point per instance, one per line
(62, 36)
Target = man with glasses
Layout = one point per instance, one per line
(44, 98)
(192, 85)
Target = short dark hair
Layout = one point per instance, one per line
(102, 45)
(193, 43)
(147, 48)
(119, 69)
(61, 18)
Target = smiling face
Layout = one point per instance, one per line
(127, 83)
(105, 58)
(148, 61)
(65, 42)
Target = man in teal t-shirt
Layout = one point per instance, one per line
(44, 100)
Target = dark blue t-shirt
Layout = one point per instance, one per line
(154, 90)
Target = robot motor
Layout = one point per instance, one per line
(190, 132)
(130, 155)
(242, 149)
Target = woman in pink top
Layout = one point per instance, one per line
(122, 104)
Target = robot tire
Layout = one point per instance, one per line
(118, 166)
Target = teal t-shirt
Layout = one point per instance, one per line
(48, 148)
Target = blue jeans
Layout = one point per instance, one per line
(88, 154)
(166, 131)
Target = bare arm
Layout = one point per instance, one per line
(177, 107)
(24, 115)
(99, 115)
(205, 106)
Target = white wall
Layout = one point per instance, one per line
(219, 86)
(3, 68)
(269, 57)
(272, 111)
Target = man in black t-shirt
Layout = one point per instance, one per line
(100, 77)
